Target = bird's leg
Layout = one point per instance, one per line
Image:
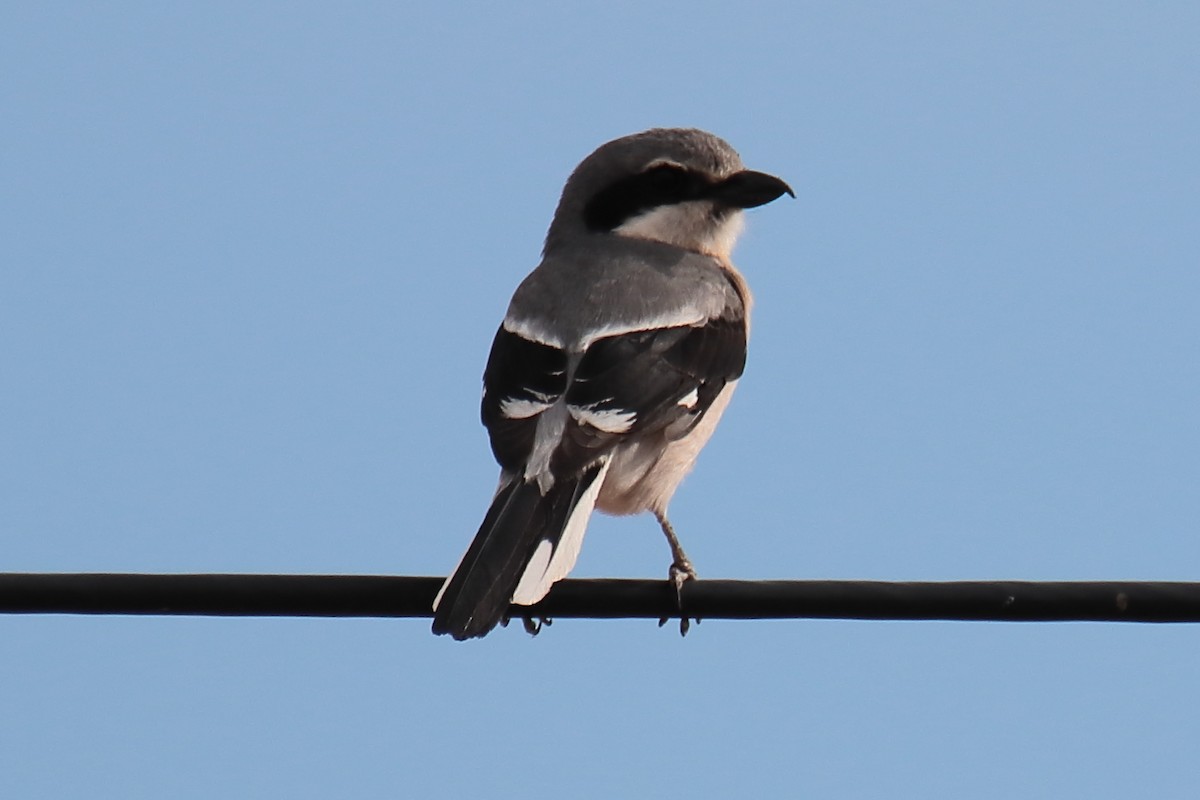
(681, 566)
(681, 570)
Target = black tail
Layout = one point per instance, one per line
(478, 594)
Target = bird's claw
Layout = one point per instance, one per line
(680, 573)
(534, 625)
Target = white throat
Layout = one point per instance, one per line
(688, 225)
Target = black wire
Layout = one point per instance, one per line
(385, 596)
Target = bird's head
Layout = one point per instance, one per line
(680, 186)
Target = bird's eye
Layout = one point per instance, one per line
(666, 173)
(659, 185)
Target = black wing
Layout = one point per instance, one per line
(632, 384)
(645, 382)
(521, 377)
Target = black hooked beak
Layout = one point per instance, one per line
(749, 189)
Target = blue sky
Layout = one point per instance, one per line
(252, 259)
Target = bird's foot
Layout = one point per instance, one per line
(534, 625)
(680, 573)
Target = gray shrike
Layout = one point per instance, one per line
(616, 359)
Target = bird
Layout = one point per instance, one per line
(615, 360)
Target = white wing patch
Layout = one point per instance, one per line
(522, 408)
(672, 318)
(538, 330)
(607, 420)
(690, 399)
(533, 330)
